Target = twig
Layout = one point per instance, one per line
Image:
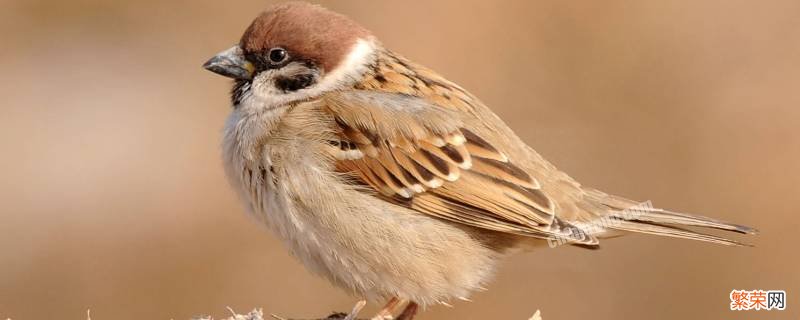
(258, 314)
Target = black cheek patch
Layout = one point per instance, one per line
(296, 82)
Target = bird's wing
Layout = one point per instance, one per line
(422, 156)
(425, 143)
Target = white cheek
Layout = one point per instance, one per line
(357, 62)
(263, 86)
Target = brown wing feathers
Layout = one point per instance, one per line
(445, 170)
(413, 165)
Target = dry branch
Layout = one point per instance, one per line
(258, 314)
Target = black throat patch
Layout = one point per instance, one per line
(240, 89)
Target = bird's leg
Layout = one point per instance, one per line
(356, 309)
(388, 309)
(409, 312)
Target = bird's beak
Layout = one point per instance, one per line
(231, 63)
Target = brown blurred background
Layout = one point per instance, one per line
(114, 197)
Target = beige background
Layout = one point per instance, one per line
(114, 197)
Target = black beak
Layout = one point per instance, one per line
(231, 63)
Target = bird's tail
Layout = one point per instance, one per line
(628, 216)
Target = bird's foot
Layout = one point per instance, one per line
(356, 309)
(388, 310)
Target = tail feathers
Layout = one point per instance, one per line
(675, 232)
(661, 216)
(646, 219)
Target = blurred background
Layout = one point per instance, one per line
(114, 198)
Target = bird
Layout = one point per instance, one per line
(391, 181)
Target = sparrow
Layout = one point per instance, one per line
(391, 181)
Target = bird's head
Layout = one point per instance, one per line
(293, 52)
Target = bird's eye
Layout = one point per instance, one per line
(277, 55)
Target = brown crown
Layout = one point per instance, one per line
(307, 31)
